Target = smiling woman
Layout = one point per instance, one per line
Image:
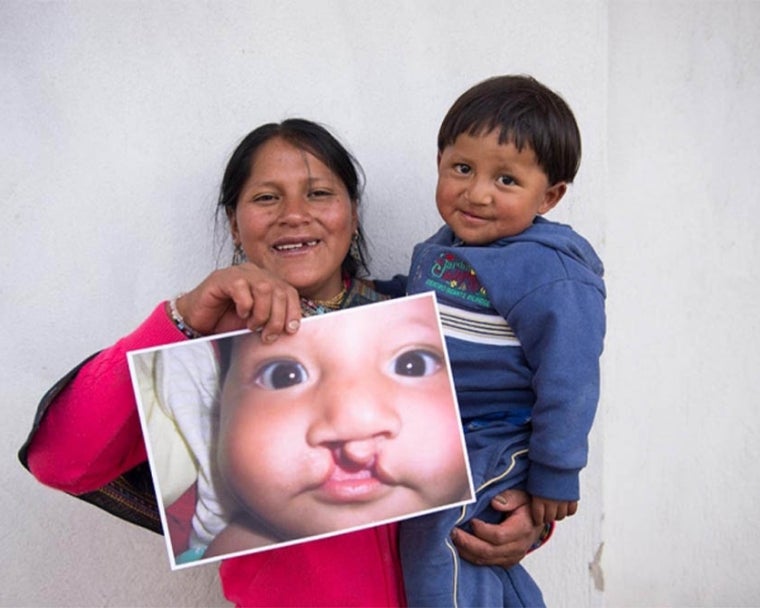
(295, 215)
(291, 194)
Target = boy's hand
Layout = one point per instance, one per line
(545, 510)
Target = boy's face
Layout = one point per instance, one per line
(487, 190)
(348, 422)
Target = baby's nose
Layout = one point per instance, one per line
(354, 418)
(360, 452)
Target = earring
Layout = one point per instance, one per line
(238, 255)
(354, 251)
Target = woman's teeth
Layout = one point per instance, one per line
(292, 246)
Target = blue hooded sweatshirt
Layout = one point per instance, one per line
(524, 323)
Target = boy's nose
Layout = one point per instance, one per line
(479, 192)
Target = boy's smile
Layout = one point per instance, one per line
(487, 190)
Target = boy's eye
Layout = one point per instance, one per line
(417, 363)
(277, 375)
(462, 168)
(506, 180)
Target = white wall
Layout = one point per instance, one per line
(682, 429)
(117, 119)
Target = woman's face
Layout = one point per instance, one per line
(295, 218)
(351, 421)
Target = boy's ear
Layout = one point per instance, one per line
(438, 159)
(552, 196)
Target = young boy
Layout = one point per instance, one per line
(522, 305)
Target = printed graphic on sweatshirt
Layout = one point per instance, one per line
(457, 282)
(455, 278)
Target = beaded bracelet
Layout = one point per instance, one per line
(180, 322)
(545, 535)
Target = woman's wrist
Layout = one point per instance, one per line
(545, 535)
(179, 321)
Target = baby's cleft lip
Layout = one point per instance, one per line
(343, 486)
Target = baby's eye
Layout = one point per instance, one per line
(462, 168)
(506, 180)
(417, 363)
(277, 375)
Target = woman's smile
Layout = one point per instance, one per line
(295, 245)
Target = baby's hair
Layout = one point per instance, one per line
(524, 112)
(224, 348)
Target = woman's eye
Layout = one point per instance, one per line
(263, 199)
(319, 193)
(417, 363)
(507, 180)
(277, 375)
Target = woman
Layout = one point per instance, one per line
(290, 194)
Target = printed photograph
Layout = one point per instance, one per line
(349, 423)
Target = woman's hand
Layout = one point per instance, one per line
(503, 544)
(242, 296)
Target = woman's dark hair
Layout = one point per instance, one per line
(524, 112)
(314, 139)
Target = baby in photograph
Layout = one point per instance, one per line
(349, 422)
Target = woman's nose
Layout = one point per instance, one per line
(294, 209)
(354, 420)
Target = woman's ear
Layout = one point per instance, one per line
(354, 217)
(552, 196)
(234, 230)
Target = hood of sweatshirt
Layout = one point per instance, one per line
(554, 235)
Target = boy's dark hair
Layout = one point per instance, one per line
(524, 112)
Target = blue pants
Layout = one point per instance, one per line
(434, 574)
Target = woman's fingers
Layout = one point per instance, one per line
(490, 547)
(277, 309)
(503, 544)
(260, 311)
(242, 296)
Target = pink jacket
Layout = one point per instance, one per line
(90, 434)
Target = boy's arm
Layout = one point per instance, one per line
(561, 327)
(395, 287)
